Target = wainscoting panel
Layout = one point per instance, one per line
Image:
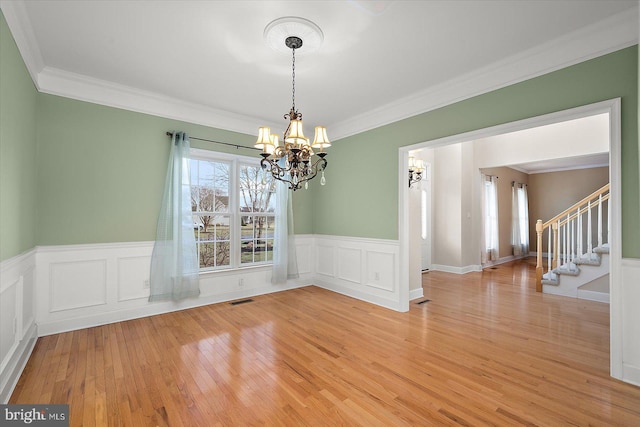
(325, 260)
(381, 269)
(304, 254)
(78, 284)
(133, 277)
(350, 264)
(18, 331)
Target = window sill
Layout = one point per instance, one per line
(236, 270)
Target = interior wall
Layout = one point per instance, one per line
(552, 192)
(18, 111)
(447, 206)
(506, 176)
(415, 238)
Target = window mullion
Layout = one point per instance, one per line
(234, 210)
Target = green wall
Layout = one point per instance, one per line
(18, 98)
(101, 170)
(361, 195)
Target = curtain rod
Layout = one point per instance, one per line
(218, 142)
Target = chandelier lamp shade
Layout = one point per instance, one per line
(416, 170)
(295, 161)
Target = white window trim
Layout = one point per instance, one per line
(236, 161)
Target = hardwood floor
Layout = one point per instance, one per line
(486, 350)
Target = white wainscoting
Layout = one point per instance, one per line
(18, 331)
(366, 269)
(80, 286)
(629, 299)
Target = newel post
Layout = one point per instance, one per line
(539, 256)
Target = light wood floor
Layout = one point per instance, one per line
(487, 350)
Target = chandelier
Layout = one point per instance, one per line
(416, 168)
(293, 162)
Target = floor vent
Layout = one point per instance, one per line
(242, 301)
(493, 268)
(423, 301)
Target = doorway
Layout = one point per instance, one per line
(612, 109)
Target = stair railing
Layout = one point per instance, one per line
(566, 234)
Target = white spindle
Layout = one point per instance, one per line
(600, 220)
(566, 242)
(572, 245)
(549, 250)
(579, 235)
(589, 237)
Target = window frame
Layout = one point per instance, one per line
(235, 215)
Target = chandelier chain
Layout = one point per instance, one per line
(293, 76)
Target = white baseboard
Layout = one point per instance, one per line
(416, 293)
(358, 294)
(12, 371)
(456, 270)
(631, 374)
(593, 296)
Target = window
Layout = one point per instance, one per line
(233, 204)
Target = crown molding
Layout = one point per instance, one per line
(15, 14)
(568, 168)
(63, 83)
(614, 33)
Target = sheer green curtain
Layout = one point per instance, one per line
(174, 262)
(490, 238)
(519, 219)
(285, 263)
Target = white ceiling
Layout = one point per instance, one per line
(206, 61)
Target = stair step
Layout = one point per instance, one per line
(585, 259)
(570, 269)
(550, 278)
(604, 249)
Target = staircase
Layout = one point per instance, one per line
(577, 259)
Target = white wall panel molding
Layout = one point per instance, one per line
(77, 284)
(304, 254)
(18, 329)
(349, 264)
(366, 269)
(628, 297)
(81, 286)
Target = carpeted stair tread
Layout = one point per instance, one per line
(585, 259)
(570, 269)
(604, 249)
